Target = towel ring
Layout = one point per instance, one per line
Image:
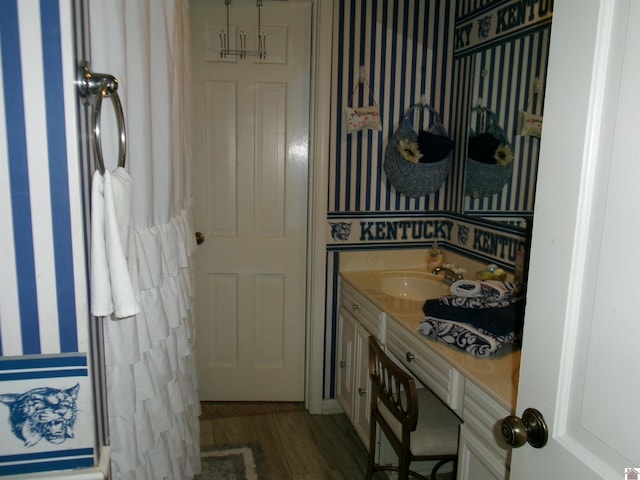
(100, 85)
(96, 122)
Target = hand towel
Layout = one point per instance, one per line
(466, 288)
(492, 294)
(123, 198)
(101, 301)
(117, 219)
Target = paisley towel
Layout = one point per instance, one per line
(475, 341)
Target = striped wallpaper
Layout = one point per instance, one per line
(42, 268)
(406, 49)
(44, 172)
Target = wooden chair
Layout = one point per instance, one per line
(418, 425)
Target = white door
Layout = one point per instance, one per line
(582, 327)
(250, 152)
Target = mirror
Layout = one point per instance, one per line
(507, 52)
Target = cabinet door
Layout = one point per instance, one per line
(345, 361)
(476, 461)
(363, 384)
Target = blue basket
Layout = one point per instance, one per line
(483, 179)
(415, 179)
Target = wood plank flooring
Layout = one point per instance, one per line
(297, 445)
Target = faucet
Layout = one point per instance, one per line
(449, 275)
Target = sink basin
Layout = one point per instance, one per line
(414, 286)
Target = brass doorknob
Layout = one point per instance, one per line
(530, 428)
(199, 238)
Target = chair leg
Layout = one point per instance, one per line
(436, 467)
(372, 450)
(403, 466)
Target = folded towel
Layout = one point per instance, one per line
(492, 294)
(498, 321)
(461, 336)
(478, 318)
(101, 301)
(466, 288)
(113, 260)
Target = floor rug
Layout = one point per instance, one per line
(243, 409)
(233, 462)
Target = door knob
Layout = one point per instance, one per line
(530, 428)
(199, 238)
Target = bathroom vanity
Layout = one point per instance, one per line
(480, 391)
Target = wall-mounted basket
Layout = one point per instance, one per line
(484, 179)
(419, 179)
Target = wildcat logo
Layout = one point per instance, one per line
(463, 234)
(484, 27)
(340, 231)
(43, 412)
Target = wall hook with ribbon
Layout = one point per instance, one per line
(366, 117)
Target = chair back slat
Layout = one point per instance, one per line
(394, 387)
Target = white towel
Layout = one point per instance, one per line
(123, 198)
(113, 258)
(466, 288)
(117, 227)
(101, 302)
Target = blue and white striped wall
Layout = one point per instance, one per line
(406, 50)
(44, 314)
(43, 298)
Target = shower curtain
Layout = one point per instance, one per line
(152, 396)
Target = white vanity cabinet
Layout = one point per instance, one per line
(480, 391)
(482, 453)
(346, 361)
(358, 318)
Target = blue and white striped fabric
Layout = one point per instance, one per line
(42, 266)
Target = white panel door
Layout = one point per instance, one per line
(250, 186)
(582, 329)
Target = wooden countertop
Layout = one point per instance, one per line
(497, 376)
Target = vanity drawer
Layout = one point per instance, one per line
(428, 367)
(370, 316)
(482, 415)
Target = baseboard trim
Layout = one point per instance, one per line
(331, 406)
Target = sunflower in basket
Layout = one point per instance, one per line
(409, 150)
(503, 155)
(486, 148)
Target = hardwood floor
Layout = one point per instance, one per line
(297, 445)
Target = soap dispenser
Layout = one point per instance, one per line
(434, 257)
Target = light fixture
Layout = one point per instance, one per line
(225, 51)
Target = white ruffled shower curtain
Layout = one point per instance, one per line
(151, 379)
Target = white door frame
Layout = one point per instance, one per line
(320, 113)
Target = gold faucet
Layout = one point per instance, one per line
(449, 275)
